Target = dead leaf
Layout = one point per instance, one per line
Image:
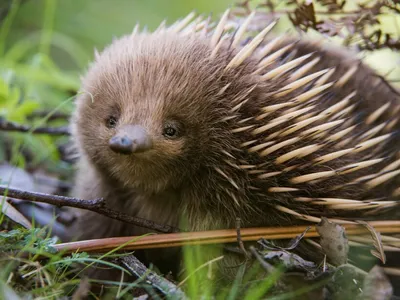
(7, 292)
(21, 211)
(376, 237)
(376, 285)
(333, 241)
(290, 260)
(12, 213)
(83, 290)
(14, 177)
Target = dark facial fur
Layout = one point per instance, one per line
(173, 125)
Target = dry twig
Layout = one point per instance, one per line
(239, 239)
(11, 126)
(97, 205)
(136, 268)
(268, 267)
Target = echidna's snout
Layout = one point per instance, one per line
(130, 139)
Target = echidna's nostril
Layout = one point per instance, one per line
(130, 139)
(126, 142)
(122, 145)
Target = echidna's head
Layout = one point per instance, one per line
(152, 110)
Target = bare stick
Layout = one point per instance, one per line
(135, 267)
(97, 205)
(269, 268)
(239, 239)
(11, 126)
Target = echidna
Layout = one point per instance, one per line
(206, 123)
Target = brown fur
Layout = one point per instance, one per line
(150, 79)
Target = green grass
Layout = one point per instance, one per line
(31, 266)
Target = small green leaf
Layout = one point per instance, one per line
(3, 91)
(12, 100)
(20, 113)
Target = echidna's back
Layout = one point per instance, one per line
(346, 159)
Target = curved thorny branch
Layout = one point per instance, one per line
(359, 26)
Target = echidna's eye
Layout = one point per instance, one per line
(170, 132)
(172, 129)
(111, 122)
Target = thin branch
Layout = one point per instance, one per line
(136, 268)
(11, 126)
(97, 205)
(239, 239)
(268, 267)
